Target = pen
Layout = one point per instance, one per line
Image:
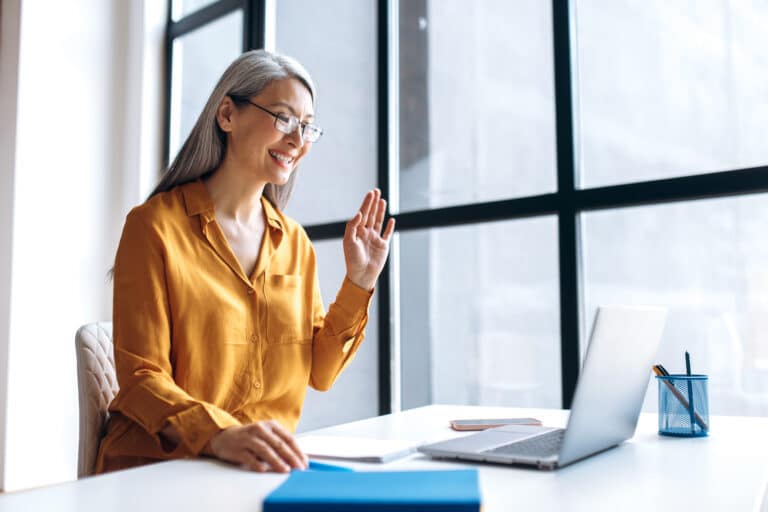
(690, 390)
(662, 372)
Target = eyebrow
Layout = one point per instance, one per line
(286, 105)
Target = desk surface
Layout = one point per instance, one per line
(726, 471)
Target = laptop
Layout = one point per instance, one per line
(605, 407)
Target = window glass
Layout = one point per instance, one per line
(335, 40)
(355, 394)
(669, 89)
(183, 7)
(199, 59)
(479, 310)
(706, 262)
(476, 101)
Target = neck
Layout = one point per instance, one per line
(235, 194)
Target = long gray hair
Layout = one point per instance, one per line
(204, 149)
(206, 144)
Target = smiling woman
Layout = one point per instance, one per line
(219, 327)
(203, 151)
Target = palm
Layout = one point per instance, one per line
(365, 246)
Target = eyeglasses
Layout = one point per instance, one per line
(288, 123)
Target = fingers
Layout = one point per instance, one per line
(288, 438)
(232, 445)
(372, 213)
(351, 230)
(261, 449)
(389, 230)
(283, 443)
(365, 208)
(249, 460)
(261, 446)
(380, 211)
(273, 449)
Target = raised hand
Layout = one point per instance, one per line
(365, 246)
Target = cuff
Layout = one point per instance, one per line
(198, 424)
(353, 300)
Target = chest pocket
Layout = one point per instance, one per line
(289, 310)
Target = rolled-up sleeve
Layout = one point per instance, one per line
(148, 393)
(337, 334)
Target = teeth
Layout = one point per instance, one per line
(284, 159)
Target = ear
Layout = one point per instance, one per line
(225, 113)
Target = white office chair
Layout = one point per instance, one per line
(96, 387)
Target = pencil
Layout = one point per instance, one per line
(658, 370)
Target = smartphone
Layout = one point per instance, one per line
(464, 425)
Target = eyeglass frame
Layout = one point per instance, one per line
(282, 118)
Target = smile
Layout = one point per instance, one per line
(281, 158)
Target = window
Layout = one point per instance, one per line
(200, 57)
(541, 159)
(476, 102)
(477, 124)
(705, 261)
(479, 316)
(670, 89)
(182, 8)
(341, 167)
(357, 386)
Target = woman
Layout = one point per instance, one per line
(218, 322)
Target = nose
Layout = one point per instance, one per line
(295, 137)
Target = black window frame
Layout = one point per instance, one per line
(567, 202)
(254, 22)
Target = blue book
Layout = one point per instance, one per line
(404, 491)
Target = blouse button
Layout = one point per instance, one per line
(250, 291)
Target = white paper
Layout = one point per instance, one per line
(354, 448)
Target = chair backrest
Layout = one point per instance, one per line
(96, 387)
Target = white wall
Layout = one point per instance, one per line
(84, 145)
(9, 52)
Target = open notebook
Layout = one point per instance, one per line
(356, 449)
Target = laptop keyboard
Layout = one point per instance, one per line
(539, 446)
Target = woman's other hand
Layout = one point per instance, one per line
(365, 246)
(261, 446)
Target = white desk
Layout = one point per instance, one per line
(726, 471)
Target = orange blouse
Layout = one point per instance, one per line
(201, 346)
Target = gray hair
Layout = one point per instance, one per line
(206, 144)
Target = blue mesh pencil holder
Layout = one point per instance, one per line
(683, 405)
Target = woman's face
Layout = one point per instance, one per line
(255, 142)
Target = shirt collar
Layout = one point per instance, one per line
(273, 217)
(198, 201)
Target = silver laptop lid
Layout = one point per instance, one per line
(613, 381)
